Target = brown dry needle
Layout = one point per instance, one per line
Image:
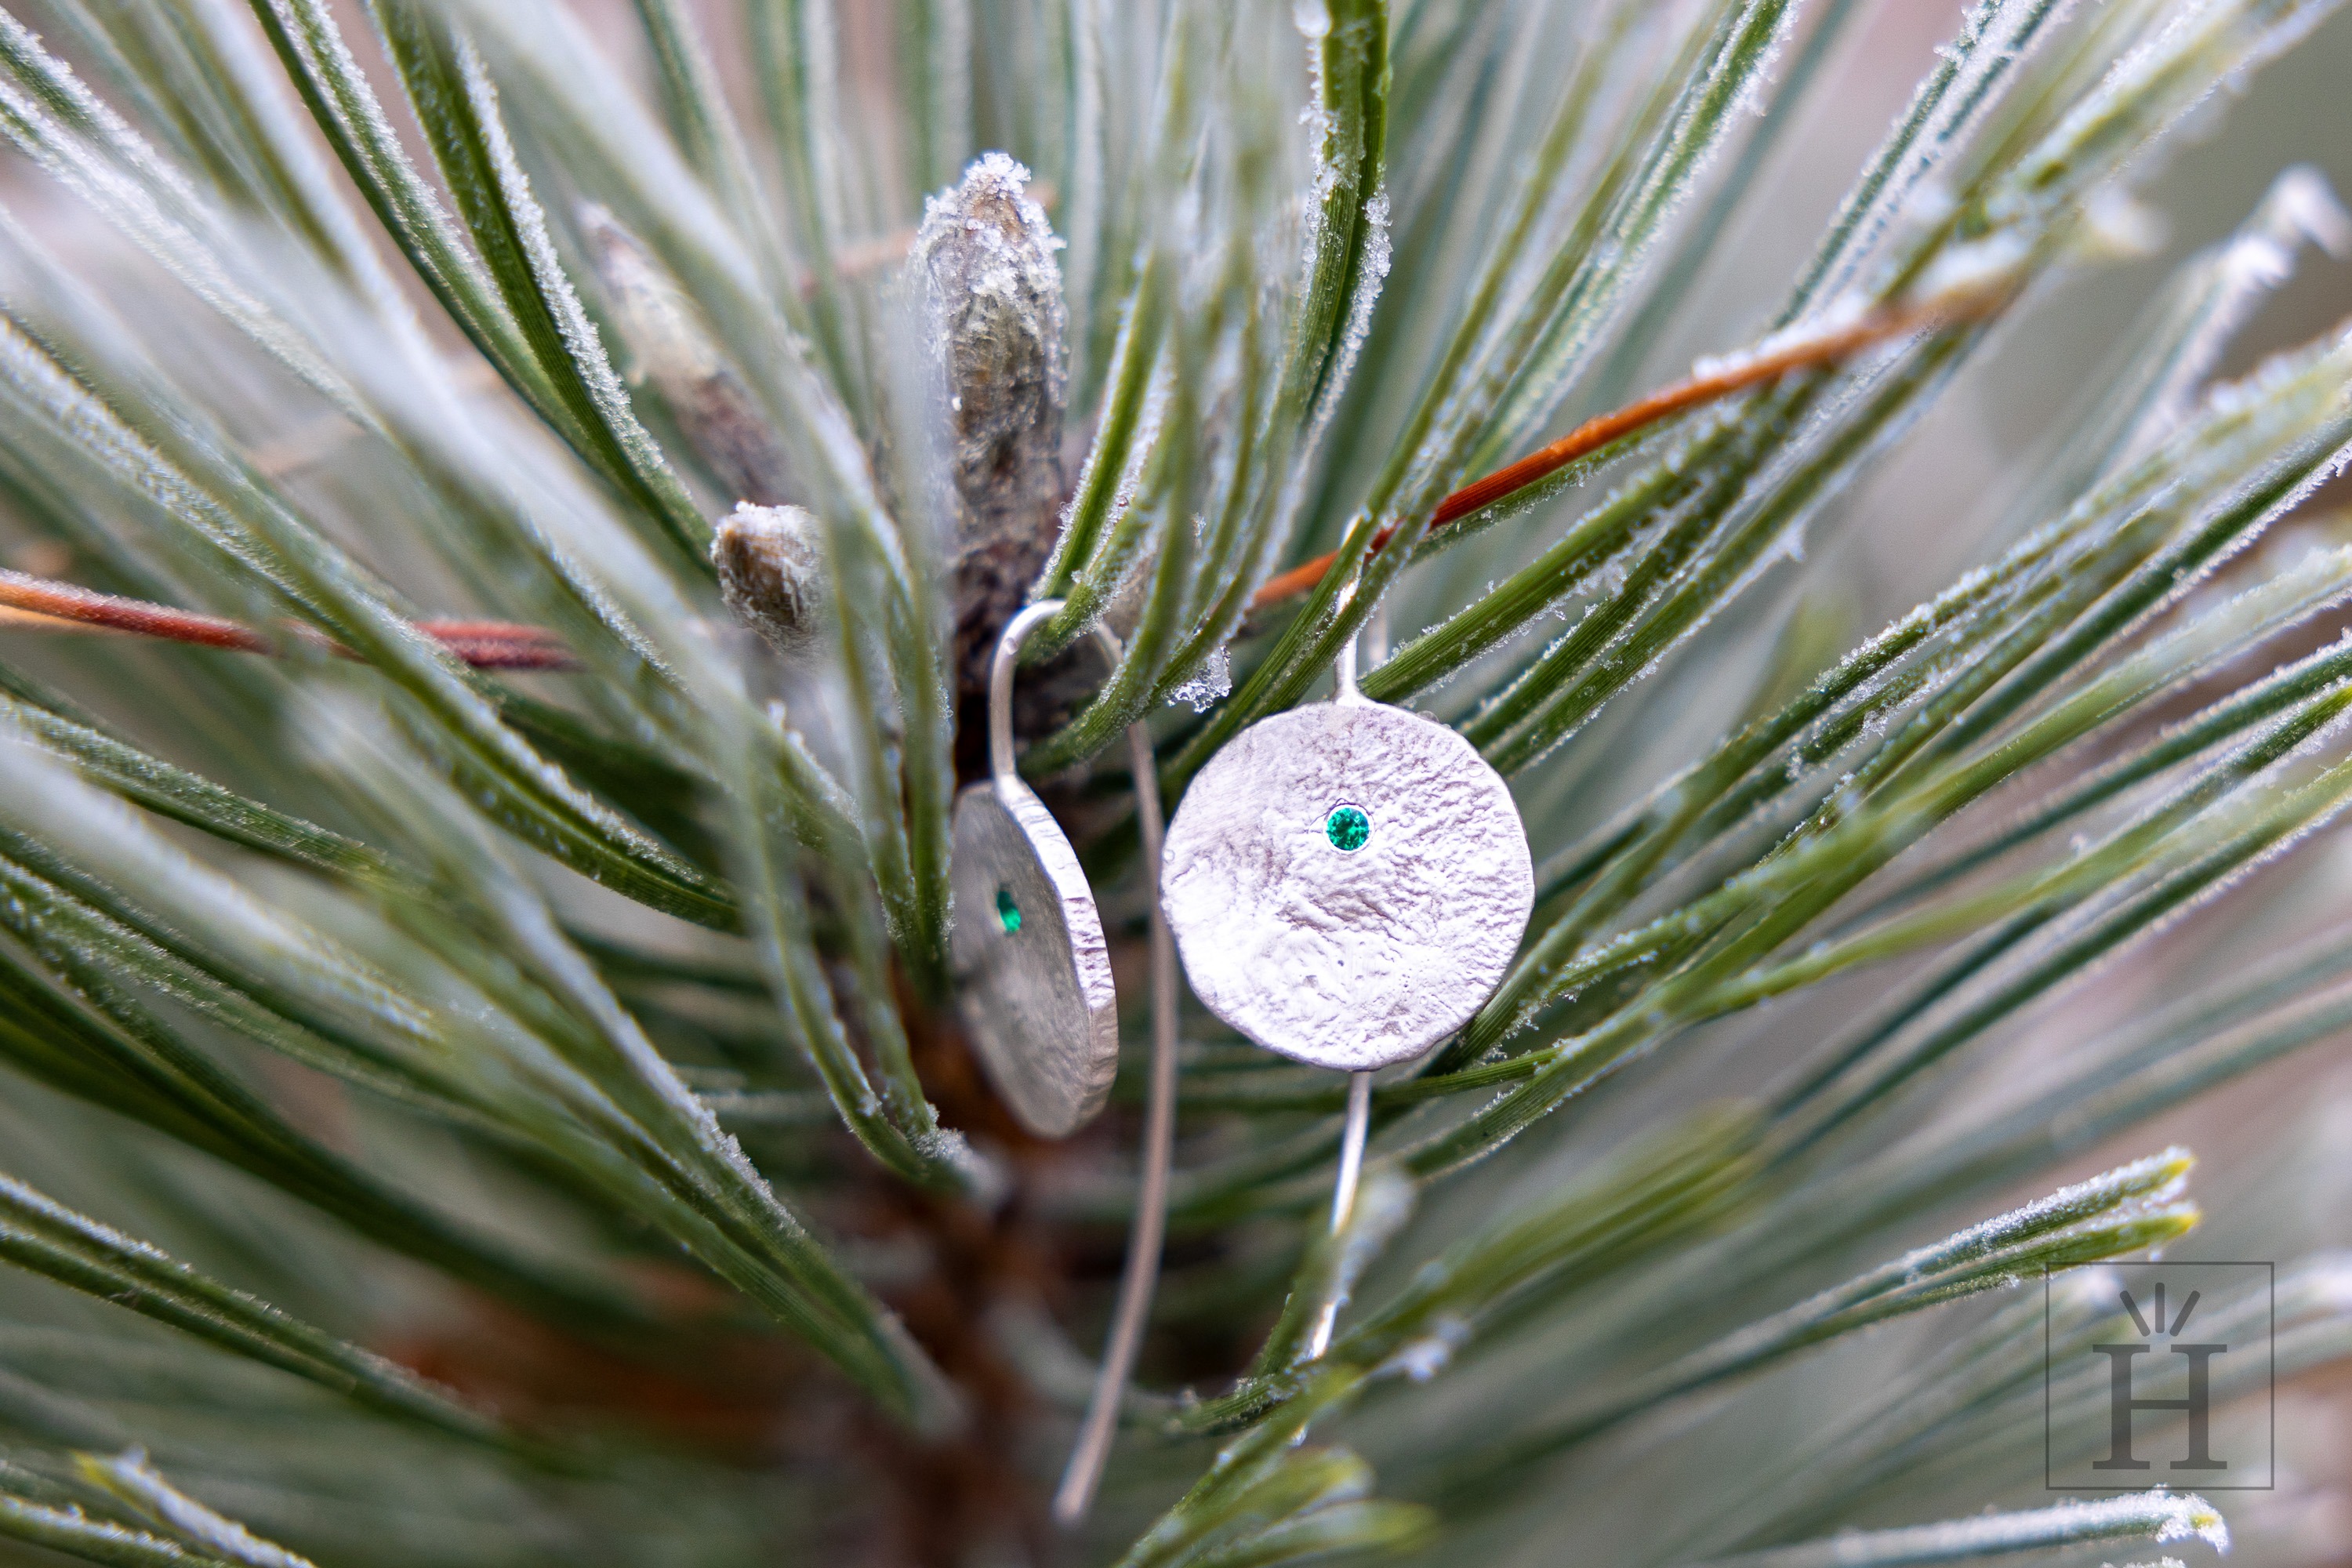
(484, 645)
(1694, 390)
(1031, 377)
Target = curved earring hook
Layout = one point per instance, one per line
(1000, 678)
(1141, 1276)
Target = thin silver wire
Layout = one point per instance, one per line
(1343, 675)
(1343, 1194)
(1140, 1277)
(1375, 635)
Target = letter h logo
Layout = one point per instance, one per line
(2138, 1359)
(2197, 1404)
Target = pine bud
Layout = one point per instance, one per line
(672, 347)
(992, 294)
(771, 572)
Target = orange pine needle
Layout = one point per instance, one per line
(484, 645)
(503, 645)
(1600, 431)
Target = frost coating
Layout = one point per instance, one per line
(157, 210)
(771, 563)
(129, 1475)
(1347, 959)
(2153, 1515)
(991, 297)
(1367, 295)
(584, 347)
(993, 293)
(1211, 684)
(673, 348)
(2225, 284)
(1424, 1358)
(1974, 73)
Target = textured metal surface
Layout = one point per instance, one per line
(1037, 1002)
(1347, 959)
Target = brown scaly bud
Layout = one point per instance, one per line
(672, 347)
(771, 562)
(992, 294)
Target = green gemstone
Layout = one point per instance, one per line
(1347, 828)
(1007, 910)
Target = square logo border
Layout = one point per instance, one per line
(2270, 1342)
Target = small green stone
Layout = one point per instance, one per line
(1347, 829)
(1007, 910)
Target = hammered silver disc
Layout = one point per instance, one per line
(1033, 973)
(1349, 958)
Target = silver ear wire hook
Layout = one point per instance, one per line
(1343, 1194)
(999, 679)
(1141, 1273)
(1358, 1123)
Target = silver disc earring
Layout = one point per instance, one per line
(1348, 883)
(1035, 988)
(1033, 972)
